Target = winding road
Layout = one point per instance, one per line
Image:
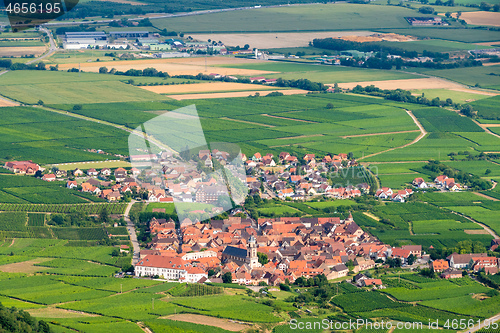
(133, 235)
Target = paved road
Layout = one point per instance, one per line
(52, 47)
(133, 235)
(482, 325)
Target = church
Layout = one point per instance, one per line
(242, 256)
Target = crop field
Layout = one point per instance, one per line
(457, 96)
(76, 267)
(294, 18)
(449, 34)
(429, 225)
(56, 208)
(488, 108)
(63, 87)
(471, 76)
(227, 307)
(323, 73)
(366, 301)
(47, 137)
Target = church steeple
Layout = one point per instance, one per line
(252, 257)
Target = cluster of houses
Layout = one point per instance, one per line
(294, 247)
(456, 263)
(286, 178)
(387, 193)
(442, 182)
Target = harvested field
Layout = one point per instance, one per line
(180, 66)
(476, 232)
(207, 320)
(51, 312)
(409, 84)
(276, 40)
(482, 18)
(204, 87)
(19, 51)
(376, 218)
(390, 37)
(491, 63)
(23, 267)
(235, 94)
(5, 102)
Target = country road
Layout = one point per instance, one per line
(133, 235)
(421, 136)
(482, 325)
(50, 51)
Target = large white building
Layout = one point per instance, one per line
(169, 268)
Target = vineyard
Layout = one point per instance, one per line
(80, 233)
(36, 220)
(365, 301)
(195, 290)
(13, 221)
(76, 267)
(93, 209)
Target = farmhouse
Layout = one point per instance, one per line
(22, 167)
(440, 265)
(49, 177)
(420, 183)
(169, 268)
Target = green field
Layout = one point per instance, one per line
(471, 76)
(293, 18)
(488, 108)
(48, 137)
(324, 73)
(63, 87)
(449, 34)
(424, 224)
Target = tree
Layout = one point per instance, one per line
(487, 172)
(227, 277)
(40, 102)
(411, 259)
(115, 253)
(77, 107)
(103, 215)
(329, 106)
(103, 70)
(246, 47)
(40, 66)
(262, 258)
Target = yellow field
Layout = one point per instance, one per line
(177, 66)
(96, 165)
(19, 51)
(482, 18)
(205, 87)
(235, 94)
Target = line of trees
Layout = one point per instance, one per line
(14, 320)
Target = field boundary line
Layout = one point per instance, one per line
(294, 119)
(375, 134)
(247, 122)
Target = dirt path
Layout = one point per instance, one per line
(485, 127)
(12, 243)
(143, 327)
(374, 134)
(247, 122)
(226, 324)
(299, 120)
(370, 215)
(485, 196)
(485, 227)
(422, 134)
